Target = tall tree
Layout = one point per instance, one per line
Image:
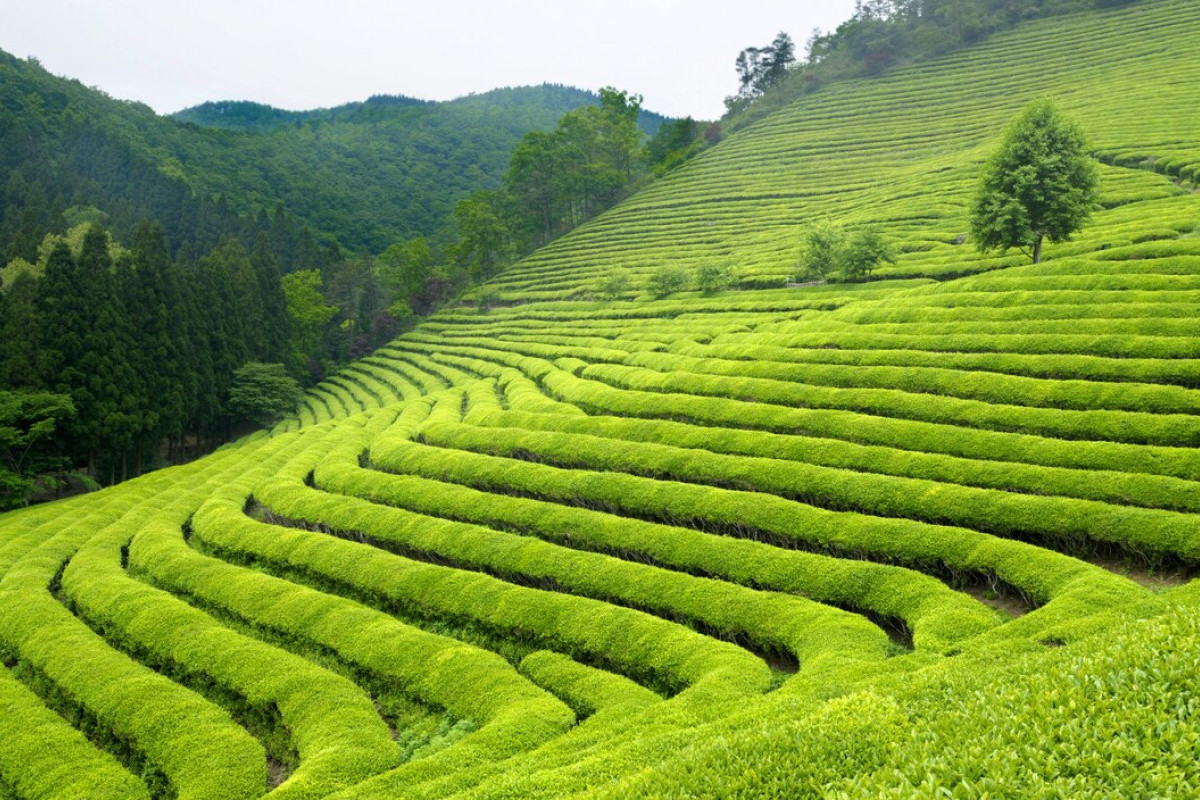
(87, 348)
(619, 129)
(309, 314)
(760, 68)
(262, 393)
(484, 239)
(404, 266)
(156, 309)
(1040, 184)
(20, 333)
(222, 329)
(273, 340)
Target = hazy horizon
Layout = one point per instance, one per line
(318, 54)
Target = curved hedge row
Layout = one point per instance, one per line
(184, 744)
(1122, 346)
(598, 396)
(586, 689)
(330, 723)
(1163, 430)
(631, 641)
(1067, 523)
(1119, 488)
(1182, 372)
(44, 758)
(512, 714)
(938, 618)
(988, 387)
(1044, 576)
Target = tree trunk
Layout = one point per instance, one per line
(1037, 249)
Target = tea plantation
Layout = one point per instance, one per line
(932, 535)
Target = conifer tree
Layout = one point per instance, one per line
(87, 348)
(156, 310)
(20, 339)
(275, 331)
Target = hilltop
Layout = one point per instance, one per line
(363, 175)
(931, 534)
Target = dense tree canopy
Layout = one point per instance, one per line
(263, 393)
(558, 179)
(1040, 184)
(28, 422)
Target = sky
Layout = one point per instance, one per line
(307, 54)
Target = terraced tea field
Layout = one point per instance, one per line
(929, 536)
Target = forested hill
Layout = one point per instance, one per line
(245, 115)
(364, 175)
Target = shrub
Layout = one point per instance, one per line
(667, 279)
(614, 284)
(713, 276)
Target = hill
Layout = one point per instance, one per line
(241, 115)
(364, 175)
(244, 115)
(929, 535)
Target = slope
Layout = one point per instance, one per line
(926, 536)
(364, 175)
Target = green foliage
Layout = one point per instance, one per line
(713, 276)
(28, 421)
(486, 299)
(1040, 184)
(864, 250)
(484, 237)
(405, 266)
(586, 689)
(880, 36)
(827, 250)
(366, 174)
(615, 284)
(18, 268)
(760, 68)
(557, 180)
(674, 144)
(823, 245)
(667, 279)
(930, 536)
(309, 314)
(263, 393)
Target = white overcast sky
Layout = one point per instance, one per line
(316, 53)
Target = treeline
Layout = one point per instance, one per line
(881, 34)
(558, 179)
(144, 346)
(118, 359)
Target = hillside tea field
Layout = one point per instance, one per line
(929, 536)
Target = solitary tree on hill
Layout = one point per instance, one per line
(1041, 184)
